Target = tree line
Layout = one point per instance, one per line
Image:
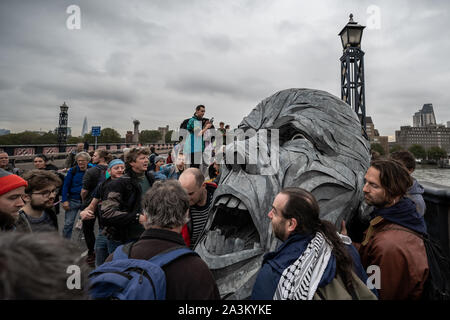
(419, 152)
(107, 135)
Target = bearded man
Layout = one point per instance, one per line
(39, 198)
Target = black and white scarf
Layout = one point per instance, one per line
(300, 280)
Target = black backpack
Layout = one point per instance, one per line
(437, 285)
(184, 124)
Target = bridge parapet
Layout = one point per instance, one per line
(437, 199)
(25, 153)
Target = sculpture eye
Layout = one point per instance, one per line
(298, 136)
(289, 133)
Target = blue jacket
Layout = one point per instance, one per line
(274, 263)
(73, 184)
(167, 171)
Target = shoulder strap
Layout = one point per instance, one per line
(170, 255)
(123, 251)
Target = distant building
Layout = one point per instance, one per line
(425, 116)
(448, 124)
(4, 131)
(164, 131)
(429, 136)
(374, 135)
(129, 137)
(136, 124)
(85, 127)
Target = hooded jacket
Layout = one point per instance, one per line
(415, 194)
(400, 255)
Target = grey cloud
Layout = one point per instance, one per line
(219, 42)
(5, 85)
(118, 63)
(112, 92)
(195, 84)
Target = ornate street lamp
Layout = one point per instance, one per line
(62, 128)
(352, 67)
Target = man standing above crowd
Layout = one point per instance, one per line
(40, 194)
(392, 240)
(71, 193)
(200, 201)
(194, 145)
(121, 210)
(416, 190)
(12, 188)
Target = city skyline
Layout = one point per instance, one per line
(155, 61)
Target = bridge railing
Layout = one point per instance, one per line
(437, 200)
(25, 153)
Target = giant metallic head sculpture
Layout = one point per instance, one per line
(318, 146)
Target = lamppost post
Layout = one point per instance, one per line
(62, 127)
(352, 70)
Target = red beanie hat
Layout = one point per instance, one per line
(9, 181)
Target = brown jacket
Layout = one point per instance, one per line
(401, 257)
(188, 277)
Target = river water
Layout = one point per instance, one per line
(431, 173)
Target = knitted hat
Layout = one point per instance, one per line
(115, 162)
(157, 158)
(9, 181)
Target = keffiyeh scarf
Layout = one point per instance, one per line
(300, 280)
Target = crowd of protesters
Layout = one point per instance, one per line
(150, 206)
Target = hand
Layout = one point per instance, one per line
(66, 205)
(87, 214)
(142, 219)
(208, 125)
(343, 228)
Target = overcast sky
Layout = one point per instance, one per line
(156, 60)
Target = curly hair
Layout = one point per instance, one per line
(39, 179)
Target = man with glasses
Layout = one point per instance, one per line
(40, 194)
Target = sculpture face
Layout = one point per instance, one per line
(321, 149)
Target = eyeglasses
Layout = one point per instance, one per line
(47, 193)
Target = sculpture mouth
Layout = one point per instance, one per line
(232, 229)
(232, 238)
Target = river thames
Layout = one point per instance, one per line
(430, 173)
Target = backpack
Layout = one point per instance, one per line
(336, 290)
(100, 178)
(437, 285)
(184, 124)
(133, 279)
